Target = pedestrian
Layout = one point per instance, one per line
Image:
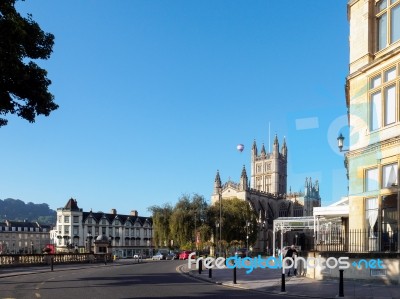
(291, 253)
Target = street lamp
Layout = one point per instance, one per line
(263, 235)
(216, 232)
(195, 232)
(89, 238)
(31, 247)
(296, 238)
(340, 140)
(247, 236)
(220, 218)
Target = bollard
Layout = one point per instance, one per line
(51, 263)
(200, 266)
(234, 275)
(210, 272)
(283, 289)
(341, 289)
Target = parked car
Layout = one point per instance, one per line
(159, 256)
(173, 255)
(242, 252)
(184, 255)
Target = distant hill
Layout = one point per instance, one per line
(17, 210)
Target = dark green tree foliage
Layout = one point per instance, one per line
(190, 212)
(161, 218)
(236, 213)
(23, 84)
(17, 210)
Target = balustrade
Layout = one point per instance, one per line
(7, 260)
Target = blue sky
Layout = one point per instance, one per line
(154, 96)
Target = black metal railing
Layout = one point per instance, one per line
(356, 241)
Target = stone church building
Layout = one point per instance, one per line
(266, 191)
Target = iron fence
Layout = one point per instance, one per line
(356, 241)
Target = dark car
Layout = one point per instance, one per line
(172, 256)
(242, 252)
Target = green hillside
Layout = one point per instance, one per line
(17, 210)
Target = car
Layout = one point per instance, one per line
(184, 255)
(172, 255)
(242, 252)
(159, 256)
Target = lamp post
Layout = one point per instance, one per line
(340, 140)
(31, 247)
(220, 218)
(89, 238)
(195, 232)
(247, 236)
(150, 239)
(216, 232)
(263, 234)
(296, 236)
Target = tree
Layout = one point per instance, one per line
(23, 84)
(161, 219)
(189, 214)
(238, 221)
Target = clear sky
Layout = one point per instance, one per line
(154, 96)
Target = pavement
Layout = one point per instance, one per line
(269, 281)
(265, 281)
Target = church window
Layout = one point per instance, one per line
(388, 22)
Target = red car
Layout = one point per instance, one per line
(184, 255)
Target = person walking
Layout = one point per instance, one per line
(291, 253)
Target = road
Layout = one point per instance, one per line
(158, 279)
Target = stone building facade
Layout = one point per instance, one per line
(23, 237)
(305, 201)
(265, 193)
(372, 99)
(127, 235)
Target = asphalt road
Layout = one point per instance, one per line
(158, 279)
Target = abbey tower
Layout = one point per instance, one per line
(269, 170)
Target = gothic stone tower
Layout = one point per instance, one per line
(311, 197)
(269, 170)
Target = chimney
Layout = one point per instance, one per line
(114, 211)
(134, 213)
